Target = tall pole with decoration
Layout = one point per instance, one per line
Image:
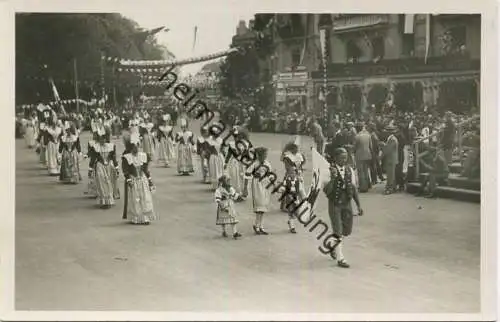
(323, 92)
(103, 88)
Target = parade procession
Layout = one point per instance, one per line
(275, 171)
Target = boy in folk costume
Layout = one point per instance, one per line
(294, 182)
(138, 206)
(258, 173)
(42, 141)
(91, 187)
(340, 192)
(225, 195)
(185, 140)
(203, 151)
(70, 150)
(165, 138)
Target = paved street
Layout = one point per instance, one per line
(407, 254)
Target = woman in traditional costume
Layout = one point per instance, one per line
(139, 200)
(148, 141)
(234, 167)
(105, 165)
(258, 172)
(70, 150)
(42, 144)
(294, 182)
(203, 150)
(29, 133)
(165, 137)
(53, 133)
(225, 195)
(185, 140)
(216, 160)
(91, 186)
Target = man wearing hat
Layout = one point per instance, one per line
(391, 159)
(340, 191)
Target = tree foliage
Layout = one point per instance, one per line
(55, 40)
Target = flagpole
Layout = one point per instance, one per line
(114, 86)
(76, 86)
(103, 89)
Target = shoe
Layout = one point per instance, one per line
(293, 231)
(224, 234)
(236, 235)
(263, 232)
(342, 263)
(256, 230)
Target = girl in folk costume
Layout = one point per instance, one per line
(233, 166)
(203, 150)
(165, 141)
(91, 186)
(225, 195)
(103, 161)
(185, 141)
(29, 134)
(293, 161)
(215, 160)
(70, 160)
(259, 172)
(147, 138)
(139, 200)
(53, 133)
(294, 182)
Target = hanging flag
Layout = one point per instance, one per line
(409, 24)
(195, 34)
(303, 53)
(322, 41)
(427, 35)
(320, 176)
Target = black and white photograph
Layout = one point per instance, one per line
(224, 158)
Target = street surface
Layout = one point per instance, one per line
(407, 254)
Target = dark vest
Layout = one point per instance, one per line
(347, 190)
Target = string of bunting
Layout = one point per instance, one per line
(164, 63)
(54, 103)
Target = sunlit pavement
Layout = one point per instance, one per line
(407, 254)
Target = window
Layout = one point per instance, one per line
(296, 57)
(378, 48)
(352, 51)
(408, 44)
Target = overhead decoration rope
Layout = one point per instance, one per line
(165, 63)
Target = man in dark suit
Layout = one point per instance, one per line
(363, 156)
(391, 159)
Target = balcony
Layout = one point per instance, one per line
(400, 66)
(347, 23)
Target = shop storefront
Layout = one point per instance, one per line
(443, 82)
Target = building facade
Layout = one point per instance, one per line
(411, 61)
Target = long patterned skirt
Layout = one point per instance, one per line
(148, 146)
(140, 208)
(29, 136)
(236, 172)
(166, 153)
(53, 158)
(205, 169)
(70, 167)
(261, 196)
(216, 168)
(226, 216)
(106, 185)
(43, 154)
(184, 159)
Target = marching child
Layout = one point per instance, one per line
(225, 195)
